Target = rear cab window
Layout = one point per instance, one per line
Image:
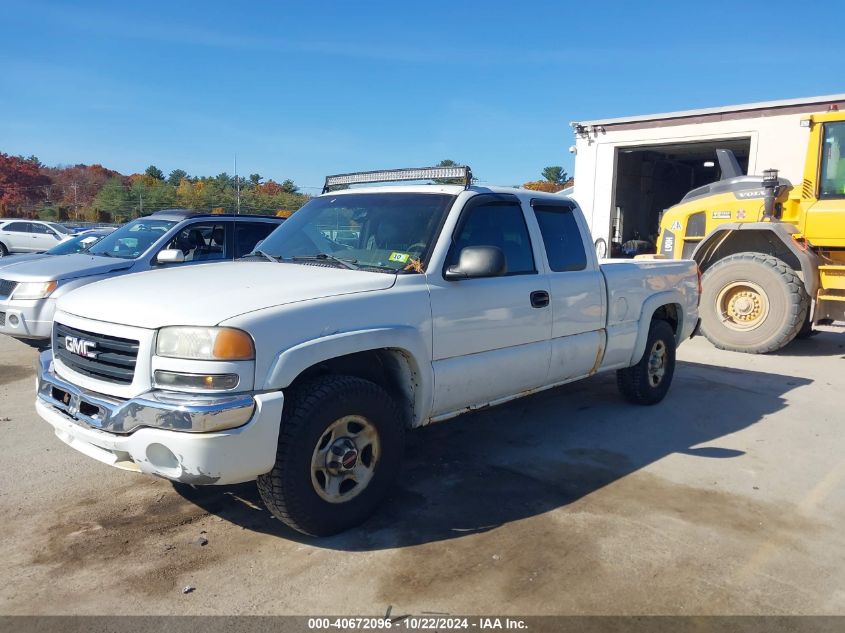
(561, 236)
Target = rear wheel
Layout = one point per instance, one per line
(3, 250)
(340, 449)
(648, 381)
(752, 303)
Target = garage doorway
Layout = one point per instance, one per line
(650, 179)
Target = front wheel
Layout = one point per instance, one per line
(648, 381)
(340, 449)
(753, 303)
(3, 250)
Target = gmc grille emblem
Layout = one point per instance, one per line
(81, 347)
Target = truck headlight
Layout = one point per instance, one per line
(205, 343)
(34, 289)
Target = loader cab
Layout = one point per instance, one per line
(822, 195)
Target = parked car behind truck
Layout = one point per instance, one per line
(30, 236)
(303, 366)
(175, 237)
(78, 243)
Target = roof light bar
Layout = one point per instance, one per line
(395, 175)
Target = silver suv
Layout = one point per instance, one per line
(175, 237)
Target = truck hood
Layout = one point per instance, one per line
(63, 267)
(207, 294)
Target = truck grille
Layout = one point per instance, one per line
(6, 288)
(2, 319)
(99, 356)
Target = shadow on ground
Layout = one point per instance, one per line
(533, 455)
(822, 343)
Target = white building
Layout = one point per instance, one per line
(628, 170)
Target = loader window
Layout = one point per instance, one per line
(833, 161)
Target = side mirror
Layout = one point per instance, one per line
(170, 256)
(476, 262)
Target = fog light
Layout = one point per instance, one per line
(14, 321)
(162, 457)
(204, 382)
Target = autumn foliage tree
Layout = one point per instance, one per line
(554, 179)
(21, 183)
(93, 192)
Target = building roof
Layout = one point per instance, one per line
(802, 104)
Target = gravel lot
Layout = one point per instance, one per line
(726, 498)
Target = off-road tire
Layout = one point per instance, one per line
(807, 330)
(3, 250)
(635, 383)
(309, 409)
(788, 303)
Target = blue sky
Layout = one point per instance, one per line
(301, 89)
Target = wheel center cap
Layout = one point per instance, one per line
(342, 457)
(744, 305)
(349, 459)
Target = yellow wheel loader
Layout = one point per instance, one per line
(772, 255)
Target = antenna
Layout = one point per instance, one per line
(237, 186)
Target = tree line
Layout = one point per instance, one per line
(95, 193)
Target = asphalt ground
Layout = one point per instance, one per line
(727, 498)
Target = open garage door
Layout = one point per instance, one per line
(650, 179)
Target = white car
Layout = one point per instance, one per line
(30, 236)
(302, 367)
(78, 243)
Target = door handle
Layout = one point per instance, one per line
(539, 299)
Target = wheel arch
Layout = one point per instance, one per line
(768, 238)
(389, 357)
(667, 306)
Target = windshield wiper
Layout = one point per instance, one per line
(351, 265)
(265, 255)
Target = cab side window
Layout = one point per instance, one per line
(833, 161)
(500, 224)
(561, 237)
(202, 241)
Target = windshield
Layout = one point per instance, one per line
(75, 245)
(60, 229)
(384, 231)
(131, 240)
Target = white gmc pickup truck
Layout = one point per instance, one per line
(370, 311)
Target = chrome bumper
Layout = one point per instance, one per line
(169, 410)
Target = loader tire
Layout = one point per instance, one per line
(807, 330)
(752, 303)
(340, 450)
(648, 381)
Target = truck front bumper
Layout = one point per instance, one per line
(229, 456)
(27, 318)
